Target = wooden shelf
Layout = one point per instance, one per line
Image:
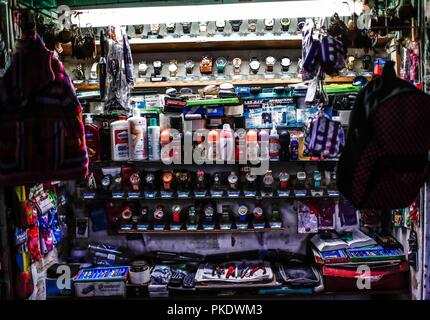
(247, 82)
(216, 231)
(232, 42)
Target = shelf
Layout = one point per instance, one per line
(247, 82)
(215, 231)
(199, 43)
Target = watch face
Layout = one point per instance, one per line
(232, 178)
(250, 177)
(242, 210)
(220, 23)
(158, 213)
(284, 176)
(106, 181)
(170, 25)
(237, 62)
(176, 208)
(157, 64)
(254, 64)
(134, 178)
(149, 178)
(209, 211)
(285, 21)
(221, 61)
(167, 176)
(258, 211)
(285, 62)
(268, 179)
(270, 60)
(173, 67)
(155, 27)
(189, 64)
(143, 66)
(269, 22)
(301, 175)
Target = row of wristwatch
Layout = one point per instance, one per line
(220, 25)
(207, 63)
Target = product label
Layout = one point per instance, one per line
(274, 147)
(137, 140)
(121, 143)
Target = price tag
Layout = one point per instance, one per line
(233, 194)
(200, 194)
(159, 227)
(333, 193)
(250, 194)
(117, 195)
(259, 225)
(165, 194)
(225, 227)
(284, 193)
(216, 194)
(300, 193)
(150, 195)
(242, 226)
(183, 194)
(275, 225)
(192, 227)
(208, 227)
(142, 227)
(89, 195)
(126, 227)
(175, 227)
(133, 195)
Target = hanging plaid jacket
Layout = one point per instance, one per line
(41, 129)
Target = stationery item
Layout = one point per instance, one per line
(331, 241)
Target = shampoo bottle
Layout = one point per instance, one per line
(119, 139)
(153, 140)
(137, 136)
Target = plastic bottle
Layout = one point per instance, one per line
(213, 145)
(263, 139)
(294, 149)
(165, 153)
(252, 145)
(284, 141)
(153, 140)
(119, 139)
(274, 145)
(137, 136)
(226, 143)
(92, 137)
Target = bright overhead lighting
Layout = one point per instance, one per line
(262, 10)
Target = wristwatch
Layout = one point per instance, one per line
(217, 181)
(150, 180)
(200, 179)
(317, 179)
(183, 177)
(301, 178)
(250, 178)
(254, 65)
(170, 27)
(236, 64)
(186, 27)
(203, 26)
(232, 180)
(208, 212)
(143, 67)
(350, 61)
(235, 25)
(176, 213)
(285, 24)
(220, 63)
(301, 23)
(285, 64)
(106, 182)
(192, 218)
(270, 62)
(268, 179)
(173, 68)
(135, 181)
(117, 183)
(126, 214)
(138, 29)
(252, 25)
(189, 66)
(167, 179)
(220, 25)
(367, 61)
(258, 212)
(284, 177)
(206, 65)
(269, 23)
(158, 65)
(242, 212)
(158, 213)
(155, 28)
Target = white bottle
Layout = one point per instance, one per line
(226, 143)
(252, 145)
(153, 140)
(274, 145)
(263, 139)
(119, 139)
(213, 145)
(137, 138)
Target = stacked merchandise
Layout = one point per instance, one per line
(353, 260)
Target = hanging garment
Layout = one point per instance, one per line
(41, 129)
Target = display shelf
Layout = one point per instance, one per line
(215, 231)
(244, 82)
(232, 42)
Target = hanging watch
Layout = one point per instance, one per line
(217, 181)
(285, 64)
(252, 25)
(301, 179)
(170, 27)
(135, 181)
(200, 179)
(301, 23)
(220, 25)
(284, 177)
(126, 214)
(242, 212)
(237, 62)
(254, 65)
(220, 63)
(176, 214)
(268, 24)
(106, 182)
(258, 212)
(203, 26)
(158, 65)
(155, 28)
(206, 65)
(235, 25)
(350, 62)
(150, 180)
(183, 178)
(192, 217)
(285, 24)
(186, 27)
(317, 179)
(138, 29)
(173, 68)
(117, 183)
(209, 213)
(367, 62)
(270, 63)
(232, 180)
(167, 180)
(251, 179)
(189, 66)
(158, 213)
(268, 179)
(142, 69)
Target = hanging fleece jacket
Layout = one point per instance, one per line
(41, 128)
